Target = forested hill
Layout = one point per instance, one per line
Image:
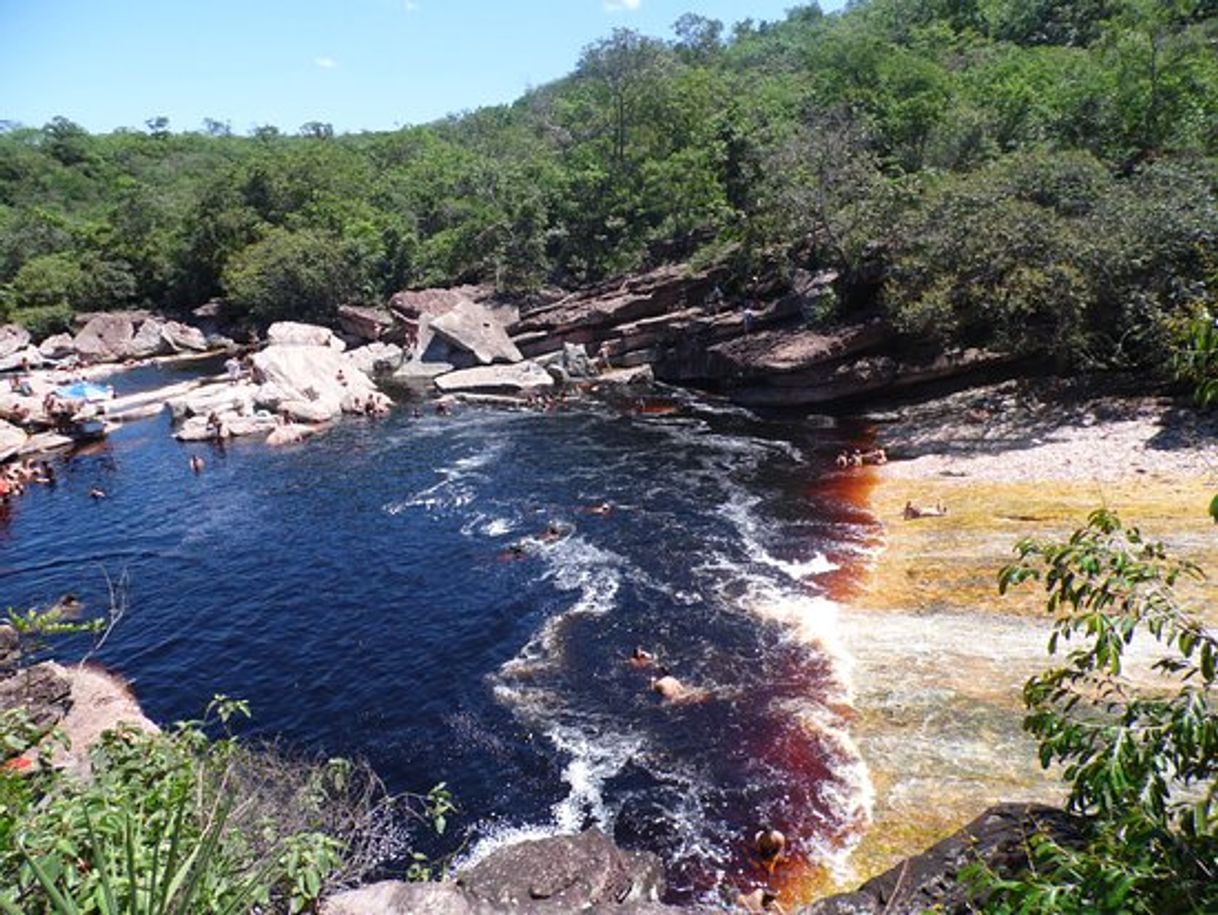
(1036, 175)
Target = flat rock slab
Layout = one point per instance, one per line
(779, 351)
(524, 377)
(565, 874)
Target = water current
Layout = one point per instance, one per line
(385, 591)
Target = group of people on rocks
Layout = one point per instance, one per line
(857, 458)
(17, 475)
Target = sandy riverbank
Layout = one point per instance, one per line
(939, 658)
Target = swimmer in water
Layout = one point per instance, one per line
(672, 690)
(553, 533)
(771, 845)
(97, 493)
(196, 463)
(515, 551)
(641, 658)
(603, 509)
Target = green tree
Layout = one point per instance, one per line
(286, 275)
(1139, 750)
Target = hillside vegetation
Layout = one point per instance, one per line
(1032, 175)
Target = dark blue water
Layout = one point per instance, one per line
(361, 592)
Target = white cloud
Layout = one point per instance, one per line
(326, 63)
(617, 6)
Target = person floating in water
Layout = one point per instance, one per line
(97, 493)
(603, 508)
(196, 463)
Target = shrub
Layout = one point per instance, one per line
(1139, 749)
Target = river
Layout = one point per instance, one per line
(384, 590)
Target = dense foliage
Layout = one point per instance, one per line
(1137, 738)
(176, 822)
(1037, 176)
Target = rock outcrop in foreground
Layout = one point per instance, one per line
(552, 876)
(589, 873)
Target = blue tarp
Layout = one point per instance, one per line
(85, 390)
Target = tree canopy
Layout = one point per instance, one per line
(1036, 176)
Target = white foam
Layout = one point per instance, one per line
(594, 760)
(739, 511)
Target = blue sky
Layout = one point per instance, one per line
(358, 64)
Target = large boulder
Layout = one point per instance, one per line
(13, 338)
(28, 358)
(376, 358)
(317, 375)
(182, 338)
(10, 650)
(58, 346)
(148, 340)
(291, 333)
(521, 378)
(42, 690)
(12, 439)
(413, 304)
(366, 324)
(470, 328)
(106, 338)
(565, 874)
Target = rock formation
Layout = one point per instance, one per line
(553, 876)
